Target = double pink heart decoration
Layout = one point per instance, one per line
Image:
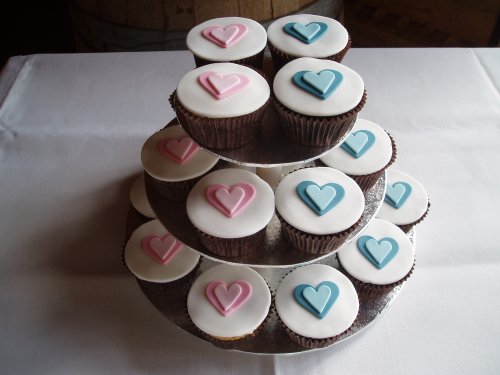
(179, 150)
(226, 299)
(231, 201)
(161, 249)
(220, 86)
(227, 36)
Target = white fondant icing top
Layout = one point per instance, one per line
(207, 218)
(146, 268)
(199, 101)
(139, 199)
(360, 268)
(251, 44)
(165, 168)
(414, 207)
(346, 97)
(295, 212)
(240, 322)
(373, 160)
(332, 42)
(341, 315)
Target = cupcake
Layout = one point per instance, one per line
(139, 199)
(317, 100)
(406, 202)
(365, 154)
(221, 105)
(230, 209)
(175, 162)
(228, 302)
(316, 304)
(307, 35)
(161, 264)
(228, 39)
(318, 208)
(379, 258)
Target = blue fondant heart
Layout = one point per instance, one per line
(380, 252)
(306, 33)
(358, 143)
(321, 84)
(397, 193)
(320, 199)
(317, 301)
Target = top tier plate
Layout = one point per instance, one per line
(271, 148)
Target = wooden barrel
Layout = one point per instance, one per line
(147, 25)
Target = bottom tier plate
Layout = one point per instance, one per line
(271, 338)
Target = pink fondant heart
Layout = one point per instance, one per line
(227, 36)
(220, 86)
(226, 299)
(179, 150)
(231, 201)
(161, 249)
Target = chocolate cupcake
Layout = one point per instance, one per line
(317, 101)
(161, 264)
(174, 162)
(139, 199)
(318, 208)
(316, 304)
(228, 39)
(221, 105)
(307, 35)
(365, 154)
(406, 202)
(229, 302)
(379, 258)
(231, 209)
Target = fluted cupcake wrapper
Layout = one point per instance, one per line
(255, 60)
(231, 247)
(316, 131)
(281, 58)
(407, 227)
(368, 289)
(312, 243)
(219, 133)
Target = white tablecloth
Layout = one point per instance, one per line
(71, 130)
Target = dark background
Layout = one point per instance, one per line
(47, 27)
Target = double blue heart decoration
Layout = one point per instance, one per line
(380, 252)
(357, 143)
(306, 33)
(397, 193)
(318, 301)
(321, 84)
(320, 199)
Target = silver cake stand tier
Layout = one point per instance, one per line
(275, 252)
(271, 338)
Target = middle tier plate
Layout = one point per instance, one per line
(274, 252)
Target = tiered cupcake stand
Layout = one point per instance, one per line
(270, 154)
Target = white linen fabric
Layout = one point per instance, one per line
(71, 131)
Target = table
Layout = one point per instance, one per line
(71, 130)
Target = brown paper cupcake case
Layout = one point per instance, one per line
(179, 190)
(367, 289)
(407, 227)
(315, 244)
(281, 58)
(219, 133)
(316, 131)
(366, 181)
(231, 247)
(255, 60)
